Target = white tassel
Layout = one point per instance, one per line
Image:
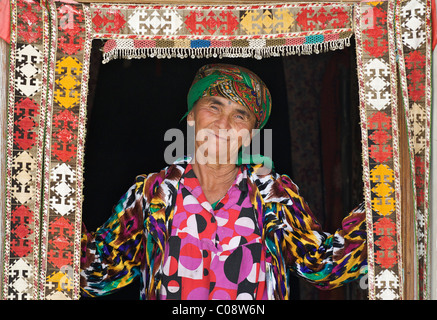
(228, 52)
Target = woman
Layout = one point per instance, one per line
(211, 226)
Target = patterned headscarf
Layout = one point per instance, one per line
(234, 83)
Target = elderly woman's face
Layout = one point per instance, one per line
(222, 126)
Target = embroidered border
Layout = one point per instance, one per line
(378, 104)
(50, 50)
(24, 151)
(414, 45)
(64, 153)
(221, 31)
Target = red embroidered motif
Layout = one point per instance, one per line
(113, 21)
(66, 121)
(379, 120)
(419, 166)
(308, 19)
(379, 151)
(21, 243)
(304, 19)
(380, 137)
(29, 30)
(415, 64)
(71, 41)
(62, 230)
(386, 258)
(231, 23)
(25, 111)
(339, 17)
(196, 22)
(375, 45)
(385, 243)
(384, 227)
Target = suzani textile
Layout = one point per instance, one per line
(414, 33)
(392, 35)
(378, 98)
(225, 31)
(50, 45)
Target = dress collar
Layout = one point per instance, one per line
(189, 179)
(269, 185)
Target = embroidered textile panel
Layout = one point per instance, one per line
(414, 33)
(25, 128)
(225, 31)
(63, 180)
(50, 48)
(376, 61)
(47, 101)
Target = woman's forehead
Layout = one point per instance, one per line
(224, 102)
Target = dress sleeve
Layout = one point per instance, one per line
(326, 260)
(112, 256)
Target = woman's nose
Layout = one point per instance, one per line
(223, 122)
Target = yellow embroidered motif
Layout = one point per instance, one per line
(381, 173)
(68, 75)
(383, 176)
(267, 21)
(62, 281)
(383, 206)
(282, 20)
(375, 3)
(382, 190)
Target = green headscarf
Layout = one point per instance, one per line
(239, 85)
(234, 83)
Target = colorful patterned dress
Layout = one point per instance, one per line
(164, 231)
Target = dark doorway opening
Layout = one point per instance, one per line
(132, 103)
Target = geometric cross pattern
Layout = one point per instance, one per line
(415, 35)
(63, 179)
(413, 20)
(144, 21)
(28, 68)
(65, 124)
(69, 70)
(23, 166)
(377, 80)
(256, 22)
(378, 73)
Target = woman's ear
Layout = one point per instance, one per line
(190, 117)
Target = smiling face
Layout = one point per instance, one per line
(222, 126)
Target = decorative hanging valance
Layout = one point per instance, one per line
(47, 97)
(225, 31)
